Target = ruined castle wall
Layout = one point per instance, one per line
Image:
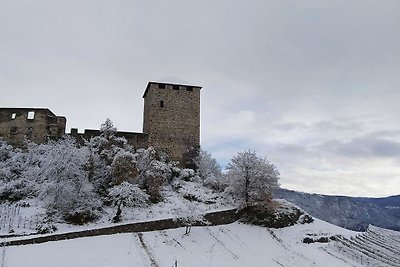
(137, 140)
(37, 125)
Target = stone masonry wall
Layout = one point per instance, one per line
(37, 125)
(172, 118)
(214, 218)
(137, 140)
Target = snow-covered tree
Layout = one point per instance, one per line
(13, 163)
(107, 145)
(128, 195)
(104, 150)
(6, 150)
(124, 167)
(209, 171)
(6, 154)
(62, 182)
(251, 178)
(154, 172)
(107, 129)
(189, 213)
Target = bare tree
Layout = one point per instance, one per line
(251, 178)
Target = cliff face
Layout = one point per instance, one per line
(354, 213)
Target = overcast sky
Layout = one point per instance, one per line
(314, 84)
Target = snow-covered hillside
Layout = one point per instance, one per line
(230, 245)
(375, 247)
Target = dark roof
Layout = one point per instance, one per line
(148, 85)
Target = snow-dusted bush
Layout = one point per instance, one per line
(45, 228)
(210, 171)
(6, 151)
(108, 129)
(251, 178)
(189, 213)
(128, 195)
(14, 190)
(62, 181)
(14, 185)
(99, 172)
(7, 154)
(103, 151)
(187, 175)
(154, 172)
(124, 167)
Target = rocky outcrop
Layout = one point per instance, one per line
(274, 214)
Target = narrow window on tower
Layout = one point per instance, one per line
(161, 104)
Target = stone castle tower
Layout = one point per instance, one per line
(171, 118)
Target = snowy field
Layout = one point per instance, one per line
(228, 245)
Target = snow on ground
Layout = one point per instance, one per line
(230, 245)
(24, 219)
(20, 218)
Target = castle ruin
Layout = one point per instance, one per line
(171, 122)
(35, 124)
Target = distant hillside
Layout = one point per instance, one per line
(353, 213)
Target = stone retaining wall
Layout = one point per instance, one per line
(214, 218)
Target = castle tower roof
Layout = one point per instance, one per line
(186, 85)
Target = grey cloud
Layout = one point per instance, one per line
(320, 126)
(290, 126)
(290, 149)
(389, 134)
(338, 125)
(365, 146)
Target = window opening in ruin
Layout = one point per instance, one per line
(161, 104)
(13, 130)
(13, 116)
(189, 88)
(175, 87)
(161, 86)
(31, 115)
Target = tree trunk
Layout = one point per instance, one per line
(117, 217)
(188, 228)
(246, 186)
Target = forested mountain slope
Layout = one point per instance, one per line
(354, 213)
